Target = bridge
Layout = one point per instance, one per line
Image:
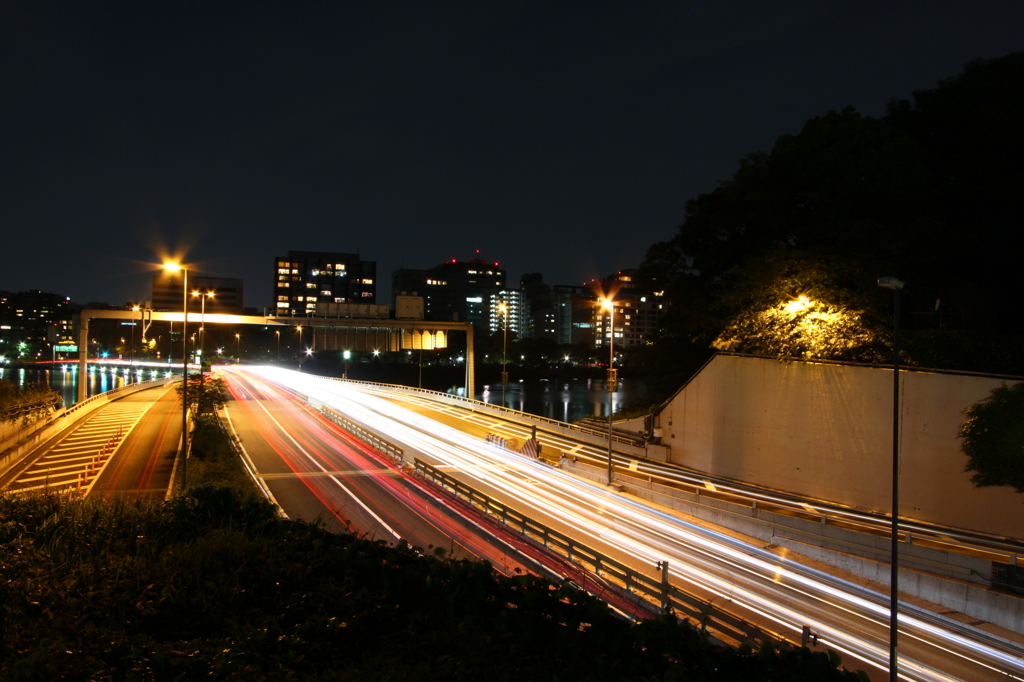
(336, 333)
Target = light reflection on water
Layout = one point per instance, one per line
(565, 400)
(64, 379)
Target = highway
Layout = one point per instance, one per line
(778, 593)
(314, 470)
(127, 446)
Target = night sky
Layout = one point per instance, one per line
(563, 138)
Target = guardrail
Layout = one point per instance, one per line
(371, 439)
(491, 407)
(626, 580)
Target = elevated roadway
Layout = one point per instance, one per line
(780, 593)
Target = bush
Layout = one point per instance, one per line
(993, 436)
(213, 586)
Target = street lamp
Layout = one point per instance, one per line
(202, 325)
(278, 332)
(896, 285)
(131, 363)
(613, 378)
(347, 355)
(238, 350)
(174, 267)
(300, 346)
(503, 307)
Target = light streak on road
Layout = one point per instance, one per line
(757, 584)
(316, 468)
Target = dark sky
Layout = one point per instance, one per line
(563, 138)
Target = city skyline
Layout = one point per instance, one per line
(552, 139)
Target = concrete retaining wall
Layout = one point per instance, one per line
(825, 431)
(952, 580)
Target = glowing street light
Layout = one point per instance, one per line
(175, 267)
(613, 378)
(238, 350)
(894, 541)
(202, 323)
(299, 328)
(503, 308)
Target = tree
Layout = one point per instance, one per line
(993, 438)
(205, 395)
(924, 194)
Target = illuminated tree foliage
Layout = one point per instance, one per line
(993, 438)
(782, 259)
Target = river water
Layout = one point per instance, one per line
(564, 400)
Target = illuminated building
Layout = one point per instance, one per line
(30, 321)
(540, 307)
(304, 278)
(517, 310)
(574, 314)
(636, 315)
(459, 291)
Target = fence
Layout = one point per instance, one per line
(627, 581)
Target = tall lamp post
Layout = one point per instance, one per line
(896, 285)
(202, 325)
(278, 332)
(131, 363)
(174, 267)
(300, 346)
(503, 307)
(238, 350)
(613, 379)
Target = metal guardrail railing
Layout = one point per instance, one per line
(624, 579)
(491, 407)
(367, 437)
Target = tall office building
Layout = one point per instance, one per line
(540, 307)
(460, 291)
(515, 313)
(574, 314)
(636, 315)
(304, 278)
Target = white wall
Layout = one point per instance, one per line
(825, 431)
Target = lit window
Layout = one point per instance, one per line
(367, 294)
(284, 284)
(325, 292)
(367, 281)
(282, 271)
(311, 285)
(282, 298)
(282, 304)
(295, 272)
(339, 266)
(314, 273)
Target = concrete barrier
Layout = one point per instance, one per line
(955, 581)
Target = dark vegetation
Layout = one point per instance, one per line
(213, 586)
(929, 194)
(993, 438)
(26, 402)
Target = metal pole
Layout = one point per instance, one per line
(894, 556)
(894, 540)
(184, 379)
(611, 366)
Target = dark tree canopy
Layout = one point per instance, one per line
(783, 258)
(993, 438)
